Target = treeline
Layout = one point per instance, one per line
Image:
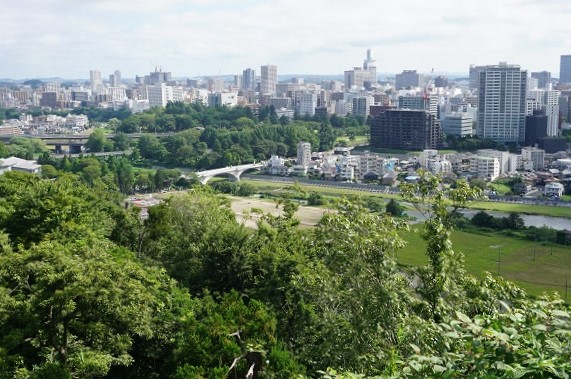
(473, 143)
(88, 290)
(113, 173)
(513, 225)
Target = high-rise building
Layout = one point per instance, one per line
(543, 79)
(362, 106)
(426, 103)
(565, 70)
(95, 80)
(369, 65)
(306, 103)
(474, 76)
(115, 79)
(409, 78)
(405, 129)
(548, 101)
(457, 124)
(269, 79)
(249, 79)
(501, 103)
(303, 154)
(535, 127)
(355, 79)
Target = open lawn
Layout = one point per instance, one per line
(359, 140)
(534, 267)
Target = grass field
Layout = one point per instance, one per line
(534, 267)
(359, 140)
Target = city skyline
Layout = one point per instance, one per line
(197, 38)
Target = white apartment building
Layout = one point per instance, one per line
(347, 167)
(159, 95)
(269, 79)
(502, 156)
(553, 189)
(371, 164)
(276, 166)
(430, 160)
(303, 154)
(485, 167)
(533, 158)
(501, 102)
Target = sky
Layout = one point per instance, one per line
(68, 38)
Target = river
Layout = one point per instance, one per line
(558, 223)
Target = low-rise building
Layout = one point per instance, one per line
(18, 164)
(553, 189)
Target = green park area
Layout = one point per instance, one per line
(534, 267)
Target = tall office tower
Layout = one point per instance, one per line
(249, 79)
(543, 79)
(409, 78)
(269, 79)
(95, 80)
(369, 65)
(501, 103)
(405, 129)
(355, 79)
(565, 70)
(115, 79)
(303, 153)
(238, 81)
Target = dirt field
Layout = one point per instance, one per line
(309, 216)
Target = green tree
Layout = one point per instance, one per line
(394, 208)
(75, 308)
(315, 199)
(441, 279)
(98, 142)
(122, 141)
(151, 148)
(124, 176)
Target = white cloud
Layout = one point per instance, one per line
(68, 38)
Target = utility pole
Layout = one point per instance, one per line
(499, 258)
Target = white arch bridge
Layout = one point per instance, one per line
(231, 172)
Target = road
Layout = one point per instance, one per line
(372, 188)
